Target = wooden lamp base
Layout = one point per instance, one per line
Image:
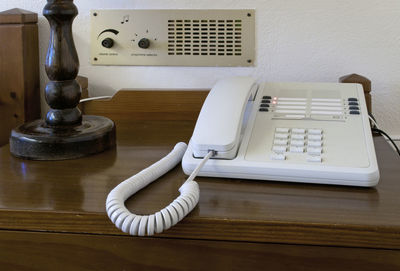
(64, 133)
(38, 141)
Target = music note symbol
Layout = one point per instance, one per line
(125, 19)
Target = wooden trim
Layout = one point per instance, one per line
(218, 229)
(149, 105)
(51, 251)
(19, 70)
(17, 16)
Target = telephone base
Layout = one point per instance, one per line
(239, 168)
(295, 132)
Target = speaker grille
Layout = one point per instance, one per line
(205, 37)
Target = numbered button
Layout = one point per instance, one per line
(298, 136)
(279, 149)
(314, 150)
(296, 149)
(297, 143)
(315, 137)
(282, 136)
(278, 156)
(280, 142)
(282, 130)
(314, 131)
(298, 130)
(315, 159)
(314, 143)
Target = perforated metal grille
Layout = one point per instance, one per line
(205, 37)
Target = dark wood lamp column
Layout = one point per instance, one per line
(65, 133)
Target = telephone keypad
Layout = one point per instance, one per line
(298, 141)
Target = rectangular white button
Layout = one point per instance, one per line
(278, 156)
(325, 100)
(295, 116)
(291, 107)
(282, 130)
(315, 131)
(314, 143)
(298, 136)
(314, 150)
(298, 143)
(290, 111)
(327, 112)
(291, 99)
(317, 159)
(325, 104)
(327, 108)
(279, 148)
(282, 136)
(280, 142)
(298, 130)
(315, 137)
(296, 149)
(291, 103)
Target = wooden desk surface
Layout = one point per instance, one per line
(69, 197)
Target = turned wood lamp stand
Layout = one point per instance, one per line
(65, 133)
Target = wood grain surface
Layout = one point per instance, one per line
(49, 196)
(51, 251)
(17, 16)
(150, 104)
(19, 70)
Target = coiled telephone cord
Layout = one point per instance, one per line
(143, 225)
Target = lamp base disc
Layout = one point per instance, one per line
(37, 141)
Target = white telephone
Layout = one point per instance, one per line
(298, 132)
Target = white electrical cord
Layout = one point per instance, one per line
(95, 98)
(142, 225)
(373, 121)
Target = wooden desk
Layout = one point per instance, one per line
(52, 214)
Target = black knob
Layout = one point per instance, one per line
(144, 43)
(107, 43)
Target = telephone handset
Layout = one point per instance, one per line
(299, 132)
(219, 123)
(224, 125)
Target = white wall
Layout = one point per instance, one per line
(307, 40)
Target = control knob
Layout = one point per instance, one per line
(144, 43)
(107, 43)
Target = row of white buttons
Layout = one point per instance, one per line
(298, 137)
(298, 143)
(310, 150)
(282, 156)
(311, 131)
